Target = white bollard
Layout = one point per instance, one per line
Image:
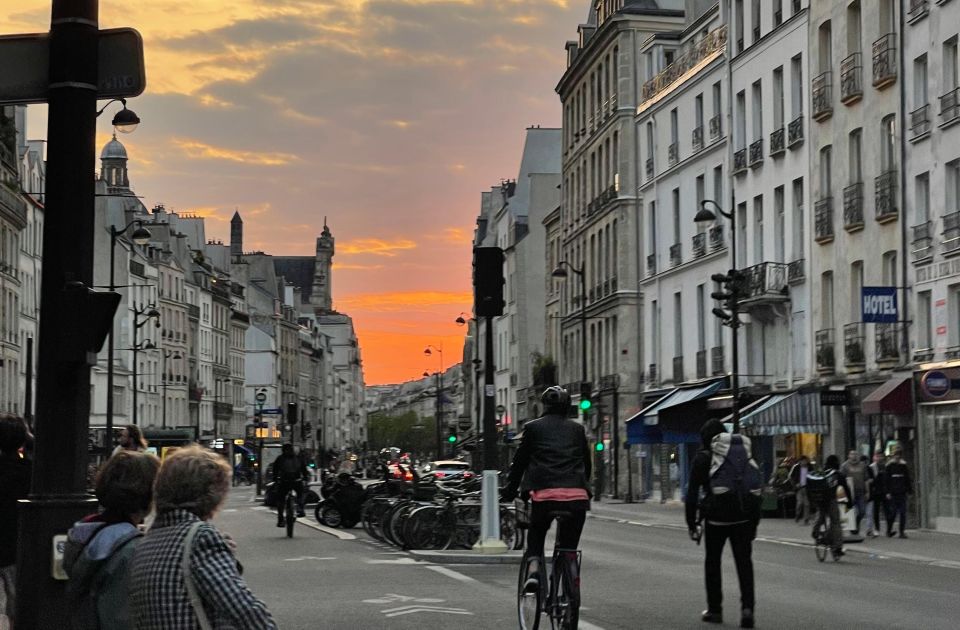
(490, 516)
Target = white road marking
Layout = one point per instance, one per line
(229, 510)
(397, 561)
(327, 530)
(586, 625)
(298, 559)
(409, 610)
(450, 573)
(391, 598)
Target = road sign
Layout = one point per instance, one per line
(261, 397)
(464, 423)
(26, 60)
(273, 411)
(879, 305)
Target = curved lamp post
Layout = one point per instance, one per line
(428, 351)
(148, 312)
(125, 120)
(167, 354)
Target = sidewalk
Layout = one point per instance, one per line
(924, 546)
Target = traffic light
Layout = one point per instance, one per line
(586, 391)
(452, 438)
(488, 281)
(293, 413)
(599, 446)
(734, 287)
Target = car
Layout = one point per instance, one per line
(449, 468)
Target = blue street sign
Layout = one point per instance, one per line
(879, 305)
(276, 411)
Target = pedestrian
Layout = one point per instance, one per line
(731, 482)
(856, 474)
(185, 575)
(100, 547)
(868, 498)
(798, 477)
(15, 472)
(878, 494)
(898, 486)
(131, 439)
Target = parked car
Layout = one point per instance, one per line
(448, 469)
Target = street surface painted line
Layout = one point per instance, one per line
(300, 558)
(410, 610)
(229, 510)
(397, 561)
(392, 598)
(327, 530)
(452, 574)
(586, 625)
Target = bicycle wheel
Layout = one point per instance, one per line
(386, 526)
(428, 528)
(529, 600)
(291, 515)
(466, 530)
(820, 546)
(509, 533)
(565, 592)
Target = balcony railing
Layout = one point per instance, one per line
(652, 376)
(951, 353)
(651, 264)
(701, 364)
(699, 245)
(716, 360)
(796, 271)
(851, 81)
(823, 220)
(673, 153)
(922, 244)
(716, 238)
(826, 361)
(853, 207)
(675, 255)
(886, 196)
(951, 233)
(777, 144)
(222, 411)
(715, 127)
(712, 43)
(740, 161)
(885, 60)
(649, 168)
(920, 122)
(766, 282)
(887, 343)
(950, 106)
(822, 91)
(853, 349)
(697, 140)
(678, 369)
(918, 10)
(756, 153)
(795, 132)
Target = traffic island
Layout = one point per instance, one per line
(467, 557)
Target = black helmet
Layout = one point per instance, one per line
(555, 398)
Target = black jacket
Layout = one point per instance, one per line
(289, 468)
(553, 453)
(896, 478)
(14, 485)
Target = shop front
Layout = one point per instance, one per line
(938, 420)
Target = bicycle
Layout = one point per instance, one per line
(823, 536)
(562, 601)
(290, 510)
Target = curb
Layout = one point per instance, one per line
(466, 557)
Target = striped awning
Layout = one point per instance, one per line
(652, 426)
(779, 414)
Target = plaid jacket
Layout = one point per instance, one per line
(158, 595)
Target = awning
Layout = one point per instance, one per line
(780, 414)
(668, 420)
(893, 396)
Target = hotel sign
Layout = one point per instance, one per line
(879, 305)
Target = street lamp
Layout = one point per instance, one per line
(705, 215)
(167, 354)
(261, 399)
(148, 312)
(140, 236)
(461, 320)
(560, 272)
(439, 413)
(124, 121)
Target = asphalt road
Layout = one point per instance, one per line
(633, 577)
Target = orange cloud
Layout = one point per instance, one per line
(389, 357)
(457, 236)
(375, 246)
(347, 266)
(403, 300)
(202, 151)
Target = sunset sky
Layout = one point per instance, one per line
(387, 117)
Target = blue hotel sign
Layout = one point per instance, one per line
(879, 305)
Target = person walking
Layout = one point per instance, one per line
(731, 484)
(100, 547)
(868, 498)
(184, 574)
(14, 485)
(798, 478)
(898, 486)
(856, 473)
(131, 439)
(878, 494)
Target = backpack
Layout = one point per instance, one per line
(735, 480)
(83, 596)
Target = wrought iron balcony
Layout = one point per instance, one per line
(887, 337)
(766, 283)
(853, 348)
(740, 161)
(922, 244)
(920, 122)
(673, 153)
(714, 42)
(950, 106)
(918, 10)
(796, 271)
(826, 361)
(715, 127)
(651, 264)
(951, 233)
(923, 355)
(652, 376)
(952, 352)
(716, 360)
(675, 255)
(649, 168)
(885, 60)
(678, 369)
(777, 144)
(823, 220)
(795, 132)
(697, 140)
(853, 207)
(822, 92)
(756, 153)
(886, 196)
(851, 81)
(699, 245)
(701, 364)
(716, 237)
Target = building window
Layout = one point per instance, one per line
(920, 81)
(924, 328)
(757, 113)
(888, 143)
(826, 157)
(779, 237)
(796, 87)
(922, 197)
(951, 67)
(798, 221)
(741, 114)
(853, 28)
(854, 144)
(778, 98)
(826, 300)
(952, 187)
(825, 36)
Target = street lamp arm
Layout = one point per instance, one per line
(570, 266)
(716, 205)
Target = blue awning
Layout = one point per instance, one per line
(780, 414)
(646, 427)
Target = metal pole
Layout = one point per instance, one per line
(58, 487)
(436, 414)
(136, 351)
(163, 381)
(616, 440)
(259, 434)
(734, 322)
(112, 287)
(490, 455)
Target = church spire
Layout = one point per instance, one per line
(236, 235)
(321, 294)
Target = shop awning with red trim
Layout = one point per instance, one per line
(895, 396)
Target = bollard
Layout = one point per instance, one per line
(490, 516)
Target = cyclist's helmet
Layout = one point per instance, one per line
(555, 399)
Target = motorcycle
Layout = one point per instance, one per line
(342, 503)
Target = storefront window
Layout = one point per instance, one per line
(940, 443)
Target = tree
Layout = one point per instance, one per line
(544, 370)
(408, 432)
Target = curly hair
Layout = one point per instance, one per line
(192, 479)
(13, 433)
(124, 485)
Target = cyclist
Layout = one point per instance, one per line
(826, 484)
(552, 467)
(289, 473)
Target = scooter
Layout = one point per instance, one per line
(342, 504)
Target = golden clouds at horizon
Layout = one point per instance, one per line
(198, 150)
(375, 246)
(403, 300)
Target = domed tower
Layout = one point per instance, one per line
(321, 295)
(113, 166)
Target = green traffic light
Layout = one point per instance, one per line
(585, 404)
(599, 447)
(452, 439)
